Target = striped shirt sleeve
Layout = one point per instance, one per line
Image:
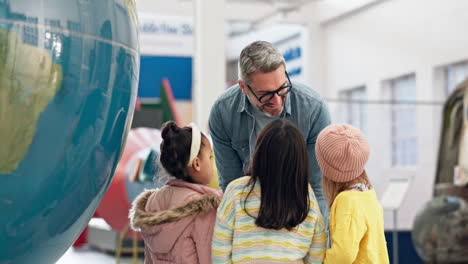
(316, 252)
(224, 229)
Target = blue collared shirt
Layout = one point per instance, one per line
(232, 125)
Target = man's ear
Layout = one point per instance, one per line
(242, 87)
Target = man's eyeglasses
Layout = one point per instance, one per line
(282, 91)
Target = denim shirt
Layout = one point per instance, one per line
(232, 124)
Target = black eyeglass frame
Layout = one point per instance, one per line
(280, 91)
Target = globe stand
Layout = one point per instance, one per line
(135, 250)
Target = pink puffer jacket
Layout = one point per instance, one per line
(176, 222)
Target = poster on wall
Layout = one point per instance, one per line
(292, 49)
(290, 39)
(166, 35)
(166, 48)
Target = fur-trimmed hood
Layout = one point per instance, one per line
(142, 219)
(176, 210)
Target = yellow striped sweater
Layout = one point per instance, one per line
(236, 238)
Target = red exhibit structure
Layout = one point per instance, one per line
(125, 186)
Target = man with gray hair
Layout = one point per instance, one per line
(264, 93)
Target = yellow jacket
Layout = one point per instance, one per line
(357, 230)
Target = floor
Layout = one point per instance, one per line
(90, 256)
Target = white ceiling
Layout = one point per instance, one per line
(241, 13)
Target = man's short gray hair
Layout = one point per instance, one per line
(258, 56)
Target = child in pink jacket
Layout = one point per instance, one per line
(177, 221)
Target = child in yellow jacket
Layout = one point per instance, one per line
(356, 216)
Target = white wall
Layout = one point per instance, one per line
(284, 37)
(234, 10)
(395, 38)
(209, 60)
(174, 7)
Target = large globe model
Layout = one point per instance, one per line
(68, 78)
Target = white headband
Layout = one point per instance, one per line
(196, 143)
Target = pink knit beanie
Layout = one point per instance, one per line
(342, 152)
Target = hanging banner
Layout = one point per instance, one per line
(165, 35)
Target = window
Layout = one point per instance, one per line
(30, 33)
(454, 75)
(73, 26)
(354, 109)
(403, 122)
(52, 22)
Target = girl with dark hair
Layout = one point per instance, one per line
(177, 221)
(271, 216)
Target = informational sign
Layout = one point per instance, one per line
(291, 40)
(292, 48)
(165, 35)
(166, 47)
(395, 193)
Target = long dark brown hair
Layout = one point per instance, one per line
(280, 165)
